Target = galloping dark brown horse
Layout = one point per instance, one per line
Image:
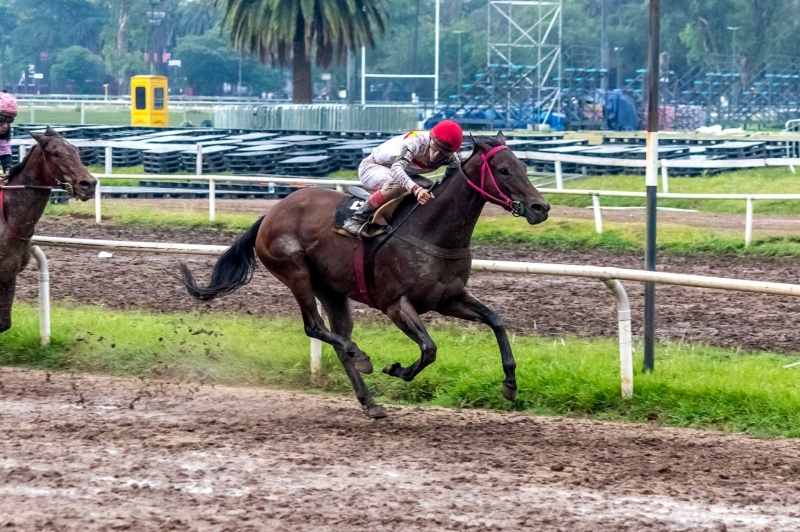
(422, 266)
(51, 163)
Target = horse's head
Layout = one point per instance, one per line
(495, 171)
(63, 166)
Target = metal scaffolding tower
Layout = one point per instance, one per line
(524, 58)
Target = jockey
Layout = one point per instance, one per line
(389, 170)
(8, 112)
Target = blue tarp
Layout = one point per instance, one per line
(620, 112)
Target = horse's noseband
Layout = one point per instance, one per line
(516, 208)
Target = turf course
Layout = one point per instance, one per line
(694, 386)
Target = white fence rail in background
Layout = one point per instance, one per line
(611, 277)
(340, 184)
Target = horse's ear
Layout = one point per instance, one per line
(40, 139)
(50, 132)
(474, 144)
(501, 138)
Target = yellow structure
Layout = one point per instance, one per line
(149, 106)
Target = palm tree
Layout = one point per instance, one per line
(280, 30)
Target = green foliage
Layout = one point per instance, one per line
(208, 62)
(79, 68)
(695, 385)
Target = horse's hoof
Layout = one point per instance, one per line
(393, 369)
(509, 393)
(376, 412)
(362, 363)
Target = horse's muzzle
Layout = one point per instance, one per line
(82, 189)
(536, 212)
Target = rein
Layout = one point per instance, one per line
(516, 208)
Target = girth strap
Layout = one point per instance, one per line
(436, 251)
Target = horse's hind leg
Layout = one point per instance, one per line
(338, 309)
(468, 307)
(404, 315)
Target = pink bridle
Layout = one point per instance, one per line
(514, 207)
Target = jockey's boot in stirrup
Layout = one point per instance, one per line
(359, 218)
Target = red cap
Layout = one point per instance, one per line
(448, 133)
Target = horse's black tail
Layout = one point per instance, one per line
(233, 270)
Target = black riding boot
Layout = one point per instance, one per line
(359, 218)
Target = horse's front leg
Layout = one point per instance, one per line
(405, 316)
(468, 307)
(7, 289)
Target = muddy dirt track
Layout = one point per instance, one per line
(550, 306)
(85, 453)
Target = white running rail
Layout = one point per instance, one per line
(611, 277)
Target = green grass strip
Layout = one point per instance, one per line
(694, 386)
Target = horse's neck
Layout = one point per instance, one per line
(23, 207)
(449, 219)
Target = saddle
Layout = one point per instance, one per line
(379, 224)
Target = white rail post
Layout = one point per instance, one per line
(23, 150)
(625, 347)
(98, 213)
(339, 188)
(44, 294)
(598, 218)
(748, 223)
(83, 113)
(33, 113)
(109, 160)
(316, 350)
(559, 175)
(664, 177)
(212, 186)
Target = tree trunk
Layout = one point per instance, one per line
(302, 87)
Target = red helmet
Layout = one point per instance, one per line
(449, 133)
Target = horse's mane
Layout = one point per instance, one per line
(488, 140)
(18, 168)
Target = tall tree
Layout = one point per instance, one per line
(280, 30)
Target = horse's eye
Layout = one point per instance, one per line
(504, 170)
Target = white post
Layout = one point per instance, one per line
(98, 213)
(83, 113)
(598, 218)
(44, 294)
(436, 60)
(664, 178)
(625, 350)
(316, 350)
(748, 223)
(339, 188)
(23, 150)
(363, 76)
(559, 175)
(109, 160)
(33, 113)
